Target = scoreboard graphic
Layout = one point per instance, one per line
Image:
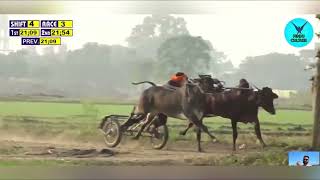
(41, 32)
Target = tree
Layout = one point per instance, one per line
(89, 62)
(189, 54)
(100, 70)
(308, 55)
(316, 105)
(147, 37)
(16, 64)
(287, 71)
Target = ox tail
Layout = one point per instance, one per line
(136, 83)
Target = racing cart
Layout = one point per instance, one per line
(111, 130)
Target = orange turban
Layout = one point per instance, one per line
(178, 78)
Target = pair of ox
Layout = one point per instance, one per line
(196, 99)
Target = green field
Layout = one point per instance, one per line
(78, 122)
(89, 114)
(49, 109)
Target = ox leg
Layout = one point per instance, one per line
(201, 126)
(148, 120)
(193, 118)
(159, 120)
(258, 133)
(199, 139)
(132, 120)
(206, 130)
(184, 132)
(234, 133)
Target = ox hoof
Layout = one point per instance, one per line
(264, 146)
(135, 137)
(201, 150)
(234, 150)
(242, 146)
(215, 141)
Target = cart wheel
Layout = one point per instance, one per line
(112, 133)
(160, 137)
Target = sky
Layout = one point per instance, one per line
(237, 35)
(296, 156)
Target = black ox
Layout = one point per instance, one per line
(192, 103)
(238, 105)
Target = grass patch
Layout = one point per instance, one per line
(287, 130)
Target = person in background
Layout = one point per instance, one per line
(243, 83)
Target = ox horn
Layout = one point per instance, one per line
(222, 82)
(255, 86)
(190, 80)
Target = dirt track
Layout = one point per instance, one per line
(129, 152)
